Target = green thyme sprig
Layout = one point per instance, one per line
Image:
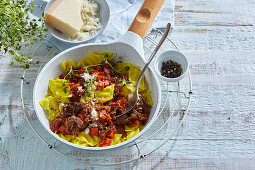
(124, 82)
(18, 30)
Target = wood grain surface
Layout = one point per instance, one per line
(218, 38)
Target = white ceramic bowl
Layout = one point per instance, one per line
(104, 15)
(53, 69)
(175, 56)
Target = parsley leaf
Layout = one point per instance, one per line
(89, 69)
(126, 68)
(65, 89)
(95, 78)
(106, 55)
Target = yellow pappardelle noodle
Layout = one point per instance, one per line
(88, 140)
(59, 93)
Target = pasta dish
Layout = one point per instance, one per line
(82, 103)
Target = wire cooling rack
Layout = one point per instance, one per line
(175, 103)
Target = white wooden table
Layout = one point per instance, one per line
(219, 39)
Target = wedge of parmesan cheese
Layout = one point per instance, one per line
(65, 16)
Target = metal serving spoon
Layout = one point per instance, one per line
(134, 99)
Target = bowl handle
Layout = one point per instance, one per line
(145, 17)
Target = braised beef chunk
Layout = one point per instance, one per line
(122, 120)
(106, 130)
(76, 91)
(140, 112)
(120, 129)
(138, 116)
(72, 108)
(118, 106)
(75, 125)
(86, 109)
(56, 123)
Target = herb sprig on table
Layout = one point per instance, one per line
(18, 30)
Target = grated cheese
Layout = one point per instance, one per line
(93, 113)
(87, 77)
(90, 18)
(86, 131)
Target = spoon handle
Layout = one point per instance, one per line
(168, 26)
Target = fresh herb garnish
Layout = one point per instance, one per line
(106, 55)
(126, 68)
(89, 69)
(116, 74)
(95, 78)
(86, 90)
(19, 30)
(65, 89)
(107, 62)
(86, 82)
(124, 82)
(70, 73)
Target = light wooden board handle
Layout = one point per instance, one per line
(145, 16)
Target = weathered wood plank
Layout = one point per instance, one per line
(229, 13)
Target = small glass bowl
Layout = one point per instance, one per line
(175, 56)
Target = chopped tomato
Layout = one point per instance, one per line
(63, 129)
(93, 131)
(111, 134)
(97, 121)
(100, 77)
(87, 120)
(101, 114)
(108, 118)
(105, 142)
(82, 70)
(134, 123)
(102, 84)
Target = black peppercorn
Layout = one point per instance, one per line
(171, 69)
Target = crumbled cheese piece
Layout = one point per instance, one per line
(80, 88)
(86, 131)
(87, 77)
(93, 125)
(93, 113)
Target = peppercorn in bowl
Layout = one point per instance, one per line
(171, 66)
